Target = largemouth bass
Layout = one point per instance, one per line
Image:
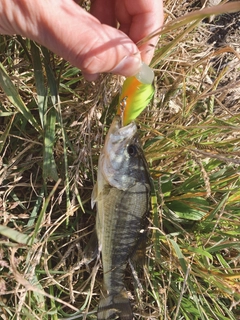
(122, 194)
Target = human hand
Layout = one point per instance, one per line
(89, 41)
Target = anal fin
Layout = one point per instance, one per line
(115, 306)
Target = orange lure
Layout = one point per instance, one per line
(137, 92)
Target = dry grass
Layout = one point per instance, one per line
(53, 125)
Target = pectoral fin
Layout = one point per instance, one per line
(94, 196)
(91, 251)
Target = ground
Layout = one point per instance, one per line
(49, 153)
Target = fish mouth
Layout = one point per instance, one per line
(117, 127)
(119, 136)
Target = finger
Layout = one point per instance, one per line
(74, 34)
(104, 11)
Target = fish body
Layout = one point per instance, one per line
(122, 195)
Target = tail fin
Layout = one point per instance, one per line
(115, 307)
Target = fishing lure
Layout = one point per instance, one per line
(137, 92)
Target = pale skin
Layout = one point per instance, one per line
(90, 41)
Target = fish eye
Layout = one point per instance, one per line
(132, 150)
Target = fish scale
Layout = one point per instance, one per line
(122, 195)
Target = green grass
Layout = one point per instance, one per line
(53, 124)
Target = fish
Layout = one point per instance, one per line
(122, 197)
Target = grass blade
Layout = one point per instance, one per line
(14, 97)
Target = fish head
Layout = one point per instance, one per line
(122, 162)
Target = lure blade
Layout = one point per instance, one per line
(134, 98)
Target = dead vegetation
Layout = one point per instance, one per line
(52, 127)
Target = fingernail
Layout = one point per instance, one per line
(128, 66)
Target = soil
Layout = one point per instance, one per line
(225, 30)
(222, 33)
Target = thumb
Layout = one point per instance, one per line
(74, 34)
